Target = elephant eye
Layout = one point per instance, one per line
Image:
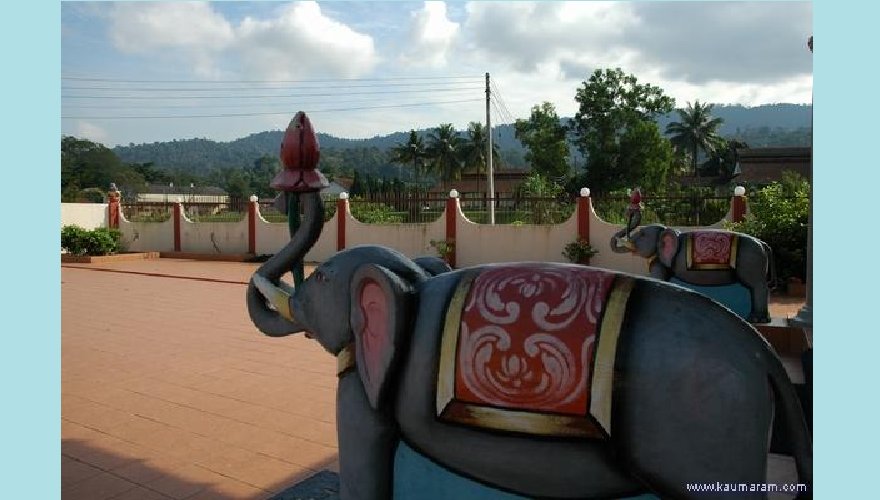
(321, 277)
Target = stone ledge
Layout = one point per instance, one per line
(95, 259)
(224, 257)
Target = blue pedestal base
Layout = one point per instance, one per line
(416, 477)
(735, 297)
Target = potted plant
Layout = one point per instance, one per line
(445, 249)
(579, 251)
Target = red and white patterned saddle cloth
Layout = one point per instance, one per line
(711, 250)
(530, 348)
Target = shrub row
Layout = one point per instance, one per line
(101, 241)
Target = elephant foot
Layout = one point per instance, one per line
(759, 319)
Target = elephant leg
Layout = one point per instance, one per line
(752, 273)
(659, 271)
(760, 300)
(367, 441)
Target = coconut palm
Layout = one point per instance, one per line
(412, 152)
(442, 150)
(696, 131)
(473, 150)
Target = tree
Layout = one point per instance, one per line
(722, 162)
(779, 215)
(544, 137)
(611, 104)
(543, 195)
(261, 175)
(87, 164)
(646, 157)
(473, 150)
(696, 131)
(443, 151)
(411, 153)
(357, 185)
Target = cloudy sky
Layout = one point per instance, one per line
(135, 72)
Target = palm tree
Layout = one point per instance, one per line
(412, 152)
(473, 150)
(443, 151)
(696, 131)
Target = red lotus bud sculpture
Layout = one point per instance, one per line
(299, 156)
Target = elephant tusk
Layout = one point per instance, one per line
(280, 299)
(345, 359)
(625, 243)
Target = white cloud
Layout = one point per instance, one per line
(302, 42)
(431, 37)
(189, 31)
(729, 52)
(298, 41)
(525, 35)
(87, 130)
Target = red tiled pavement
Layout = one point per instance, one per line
(169, 391)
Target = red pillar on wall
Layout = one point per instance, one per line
(451, 219)
(252, 225)
(739, 207)
(584, 204)
(341, 211)
(177, 212)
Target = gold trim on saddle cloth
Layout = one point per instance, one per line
(606, 353)
(530, 422)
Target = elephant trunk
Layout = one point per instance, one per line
(270, 301)
(619, 244)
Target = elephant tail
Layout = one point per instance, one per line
(792, 414)
(773, 282)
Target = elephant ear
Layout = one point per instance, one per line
(667, 246)
(380, 309)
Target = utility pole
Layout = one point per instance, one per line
(491, 188)
(804, 317)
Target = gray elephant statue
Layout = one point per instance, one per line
(540, 379)
(706, 257)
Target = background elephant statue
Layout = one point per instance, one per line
(541, 379)
(705, 257)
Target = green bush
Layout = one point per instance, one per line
(579, 251)
(374, 213)
(100, 241)
(779, 215)
(445, 249)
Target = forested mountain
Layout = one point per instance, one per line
(761, 126)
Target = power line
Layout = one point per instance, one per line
(499, 98)
(87, 79)
(236, 115)
(505, 116)
(228, 89)
(267, 96)
(123, 107)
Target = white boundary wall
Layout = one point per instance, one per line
(412, 240)
(484, 243)
(475, 243)
(85, 215)
(213, 237)
(147, 236)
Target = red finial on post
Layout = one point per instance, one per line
(299, 156)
